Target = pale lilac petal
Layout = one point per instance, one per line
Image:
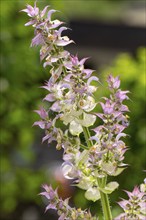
(56, 107)
(114, 83)
(94, 138)
(42, 113)
(97, 129)
(41, 124)
(30, 23)
(48, 63)
(46, 187)
(55, 24)
(44, 11)
(61, 29)
(51, 139)
(50, 98)
(63, 42)
(74, 60)
(31, 12)
(50, 206)
(46, 137)
(121, 95)
(91, 79)
(65, 85)
(37, 40)
(50, 13)
(46, 194)
(123, 204)
(120, 135)
(82, 61)
(100, 115)
(87, 73)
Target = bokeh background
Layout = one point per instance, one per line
(112, 33)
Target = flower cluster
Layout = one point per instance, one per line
(107, 154)
(135, 207)
(71, 99)
(69, 86)
(63, 209)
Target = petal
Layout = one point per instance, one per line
(63, 42)
(110, 187)
(44, 11)
(50, 206)
(50, 97)
(46, 137)
(56, 106)
(61, 29)
(92, 194)
(55, 24)
(82, 61)
(50, 13)
(87, 73)
(88, 120)
(30, 23)
(109, 167)
(85, 183)
(75, 128)
(68, 170)
(42, 113)
(41, 124)
(91, 79)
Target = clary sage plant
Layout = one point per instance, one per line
(70, 94)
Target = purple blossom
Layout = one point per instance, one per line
(64, 211)
(135, 207)
(31, 11)
(121, 95)
(108, 107)
(37, 40)
(113, 83)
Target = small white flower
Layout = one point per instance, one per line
(68, 170)
(87, 104)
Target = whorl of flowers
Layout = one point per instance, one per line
(71, 101)
(135, 207)
(69, 86)
(63, 209)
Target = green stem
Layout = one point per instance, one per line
(104, 200)
(60, 60)
(87, 137)
(101, 182)
(83, 147)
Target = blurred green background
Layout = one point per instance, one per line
(21, 76)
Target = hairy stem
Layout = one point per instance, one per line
(104, 200)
